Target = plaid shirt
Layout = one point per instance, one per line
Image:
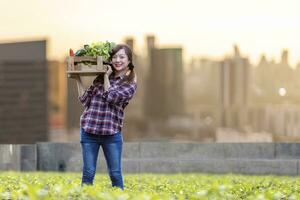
(104, 110)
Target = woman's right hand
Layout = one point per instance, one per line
(108, 70)
(74, 76)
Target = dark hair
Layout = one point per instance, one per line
(130, 78)
(128, 51)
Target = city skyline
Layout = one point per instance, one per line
(202, 28)
(211, 95)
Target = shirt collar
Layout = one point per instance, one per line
(118, 77)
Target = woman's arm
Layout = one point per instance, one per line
(80, 86)
(106, 78)
(121, 94)
(84, 95)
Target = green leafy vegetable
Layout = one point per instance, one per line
(42, 185)
(97, 49)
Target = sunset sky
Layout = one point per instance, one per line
(202, 28)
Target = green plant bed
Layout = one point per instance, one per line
(42, 185)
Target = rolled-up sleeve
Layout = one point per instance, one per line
(121, 94)
(85, 99)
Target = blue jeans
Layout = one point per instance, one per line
(112, 149)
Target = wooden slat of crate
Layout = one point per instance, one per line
(73, 61)
(72, 73)
(85, 58)
(85, 72)
(91, 72)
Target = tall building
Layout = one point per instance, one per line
(74, 107)
(134, 111)
(57, 89)
(275, 98)
(285, 57)
(164, 93)
(282, 89)
(150, 45)
(130, 42)
(23, 92)
(235, 81)
(202, 85)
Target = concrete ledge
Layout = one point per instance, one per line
(18, 157)
(181, 150)
(241, 166)
(207, 150)
(287, 150)
(59, 156)
(10, 157)
(161, 157)
(28, 157)
(249, 150)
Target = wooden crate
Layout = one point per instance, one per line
(76, 65)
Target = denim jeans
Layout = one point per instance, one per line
(112, 149)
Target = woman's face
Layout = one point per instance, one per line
(120, 61)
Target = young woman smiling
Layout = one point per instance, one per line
(102, 120)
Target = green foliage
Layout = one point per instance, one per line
(45, 186)
(97, 49)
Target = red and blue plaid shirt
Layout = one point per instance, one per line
(104, 110)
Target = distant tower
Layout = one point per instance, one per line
(150, 44)
(130, 42)
(23, 92)
(57, 86)
(135, 108)
(235, 90)
(74, 107)
(284, 57)
(263, 61)
(164, 94)
(236, 51)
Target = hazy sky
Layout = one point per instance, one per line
(203, 28)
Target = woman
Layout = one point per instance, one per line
(102, 120)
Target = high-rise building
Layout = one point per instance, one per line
(285, 57)
(57, 94)
(134, 109)
(130, 42)
(74, 107)
(23, 92)
(150, 44)
(275, 82)
(164, 93)
(202, 85)
(235, 83)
